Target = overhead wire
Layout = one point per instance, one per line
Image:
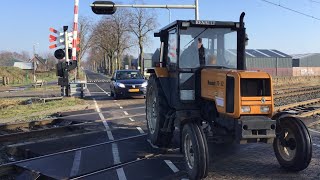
(293, 10)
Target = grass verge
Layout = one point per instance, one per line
(18, 110)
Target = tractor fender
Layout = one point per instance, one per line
(283, 114)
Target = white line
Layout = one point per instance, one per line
(121, 174)
(101, 116)
(76, 164)
(131, 119)
(172, 166)
(96, 104)
(314, 131)
(101, 89)
(121, 107)
(109, 133)
(115, 100)
(140, 130)
(125, 113)
(115, 152)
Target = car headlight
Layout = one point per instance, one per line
(245, 109)
(145, 84)
(264, 109)
(121, 85)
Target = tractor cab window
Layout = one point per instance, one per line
(172, 46)
(208, 47)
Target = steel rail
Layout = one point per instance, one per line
(72, 150)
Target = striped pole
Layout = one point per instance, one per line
(75, 30)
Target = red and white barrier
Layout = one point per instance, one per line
(75, 30)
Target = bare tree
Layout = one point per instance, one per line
(112, 35)
(85, 28)
(142, 23)
(121, 25)
(103, 38)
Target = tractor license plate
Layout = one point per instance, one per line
(133, 90)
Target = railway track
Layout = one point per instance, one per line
(295, 89)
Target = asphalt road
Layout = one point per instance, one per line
(120, 150)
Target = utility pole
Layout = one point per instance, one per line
(34, 62)
(97, 6)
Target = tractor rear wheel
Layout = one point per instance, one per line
(156, 110)
(195, 150)
(293, 145)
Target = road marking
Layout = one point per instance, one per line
(109, 133)
(125, 113)
(121, 174)
(314, 131)
(102, 89)
(115, 152)
(140, 130)
(96, 105)
(113, 110)
(76, 164)
(119, 105)
(172, 166)
(131, 119)
(88, 92)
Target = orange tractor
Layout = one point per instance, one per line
(200, 86)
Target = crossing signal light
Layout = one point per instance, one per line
(104, 10)
(60, 54)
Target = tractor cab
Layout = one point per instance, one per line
(187, 46)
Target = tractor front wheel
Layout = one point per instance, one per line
(195, 150)
(293, 145)
(156, 110)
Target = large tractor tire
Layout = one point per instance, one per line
(293, 145)
(156, 110)
(195, 150)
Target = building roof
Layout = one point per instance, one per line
(266, 53)
(39, 59)
(23, 65)
(300, 56)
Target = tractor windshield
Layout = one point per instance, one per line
(208, 47)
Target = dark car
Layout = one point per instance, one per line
(126, 83)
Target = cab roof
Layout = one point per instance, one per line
(199, 23)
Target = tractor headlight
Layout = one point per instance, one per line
(145, 84)
(245, 109)
(264, 109)
(121, 85)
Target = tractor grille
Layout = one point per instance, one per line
(255, 87)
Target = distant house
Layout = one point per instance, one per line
(24, 65)
(41, 64)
